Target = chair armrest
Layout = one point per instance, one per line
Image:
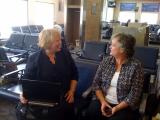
(10, 73)
(78, 53)
(87, 93)
(12, 56)
(42, 104)
(143, 104)
(18, 55)
(4, 78)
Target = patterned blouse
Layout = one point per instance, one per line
(130, 81)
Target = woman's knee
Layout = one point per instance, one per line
(125, 114)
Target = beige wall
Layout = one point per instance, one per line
(139, 4)
(59, 15)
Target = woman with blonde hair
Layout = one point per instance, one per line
(52, 63)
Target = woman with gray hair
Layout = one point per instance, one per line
(53, 63)
(118, 82)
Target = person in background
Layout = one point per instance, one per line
(136, 21)
(60, 28)
(118, 82)
(54, 63)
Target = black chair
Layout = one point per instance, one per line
(25, 29)
(31, 43)
(86, 72)
(9, 75)
(148, 56)
(94, 51)
(15, 41)
(16, 29)
(40, 28)
(3, 56)
(14, 47)
(33, 29)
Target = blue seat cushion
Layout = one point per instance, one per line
(86, 72)
(93, 50)
(148, 56)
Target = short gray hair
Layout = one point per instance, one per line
(127, 43)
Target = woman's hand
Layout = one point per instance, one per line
(69, 96)
(114, 110)
(106, 109)
(23, 100)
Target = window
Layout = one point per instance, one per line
(149, 17)
(108, 12)
(104, 13)
(124, 16)
(150, 13)
(13, 13)
(127, 12)
(44, 14)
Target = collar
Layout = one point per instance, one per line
(113, 61)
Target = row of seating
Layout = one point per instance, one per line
(19, 43)
(28, 29)
(147, 55)
(93, 51)
(87, 63)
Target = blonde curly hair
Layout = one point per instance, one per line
(47, 36)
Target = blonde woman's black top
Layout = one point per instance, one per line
(39, 67)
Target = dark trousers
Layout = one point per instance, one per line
(94, 113)
(63, 112)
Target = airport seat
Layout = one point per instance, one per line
(3, 56)
(93, 51)
(33, 29)
(148, 56)
(25, 29)
(40, 28)
(16, 29)
(15, 41)
(9, 78)
(86, 72)
(31, 43)
(10, 92)
(14, 47)
(9, 75)
(9, 85)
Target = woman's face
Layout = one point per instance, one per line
(56, 45)
(115, 49)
